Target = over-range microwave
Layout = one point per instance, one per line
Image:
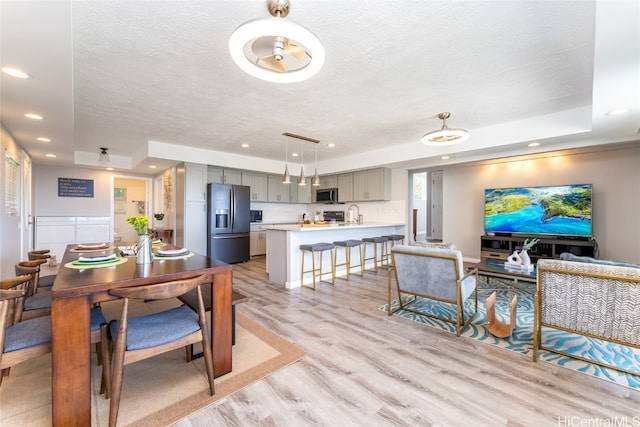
(327, 195)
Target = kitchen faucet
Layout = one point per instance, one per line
(354, 218)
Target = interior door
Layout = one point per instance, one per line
(436, 205)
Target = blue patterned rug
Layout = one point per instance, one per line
(522, 338)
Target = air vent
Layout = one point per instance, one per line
(304, 138)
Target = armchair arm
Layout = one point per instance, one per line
(473, 271)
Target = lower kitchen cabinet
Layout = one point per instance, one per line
(258, 243)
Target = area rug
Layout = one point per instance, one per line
(522, 339)
(156, 392)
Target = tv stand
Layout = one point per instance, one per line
(500, 247)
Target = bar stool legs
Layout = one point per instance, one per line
(348, 245)
(391, 242)
(384, 255)
(317, 273)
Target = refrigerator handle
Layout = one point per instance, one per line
(233, 208)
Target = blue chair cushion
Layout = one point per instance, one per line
(46, 281)
(28, 333)
(158, 328)
(97, 318)
(380, 239)
(317, 247)
(38, 301)
(348, 243)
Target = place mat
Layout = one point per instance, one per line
(96, 249)
(181, 256)
(109, 263)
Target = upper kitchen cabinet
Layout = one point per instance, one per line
(195, 180)
(277, 191)
(218, 175)
(258, 184)
(371, 185)
(303, 192)
(345, 187)
(329, 181)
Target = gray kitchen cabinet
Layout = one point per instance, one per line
(345, 187)
(218, 175)
(258, 184)
(304, 192)
(257, 243)
(278, 192)
(372, 184)
(329, 181)
(195, 177)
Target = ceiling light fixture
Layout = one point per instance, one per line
(276, 50)
(14, 72)
(43, 139)
(315, 182)
(303, 179)
(618, 111)
(286, 178)
(33, 116)
(103, 157)
(445, 136)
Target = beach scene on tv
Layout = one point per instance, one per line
(553, 210)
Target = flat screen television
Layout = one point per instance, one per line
(559, 210)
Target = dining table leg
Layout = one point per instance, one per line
(71, 361)
(221, 327)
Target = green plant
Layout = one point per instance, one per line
(528, 244)
(139, 224)
(158, 216)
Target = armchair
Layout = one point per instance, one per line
(436, 274)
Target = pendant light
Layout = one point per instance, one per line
(303, 179)
(445, 135)
(315, 182)
(286, 178)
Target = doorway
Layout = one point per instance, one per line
(131, 197)
(425, 199)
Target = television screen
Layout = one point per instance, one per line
(563, 210)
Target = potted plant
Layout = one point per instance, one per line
(144, 255)
(159, 218)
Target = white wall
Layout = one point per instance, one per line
(9, 224)
(615, 175)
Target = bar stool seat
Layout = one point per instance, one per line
(348, 245)
(384, 256)
(391, 242)
(317, 273)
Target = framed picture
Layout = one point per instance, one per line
(120, 200)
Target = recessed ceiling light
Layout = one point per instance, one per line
(618, 111)
(34, 116)
(15, 72)
(445, 157)
(294, 154)
(109, 169)
(245, 145)
(331, 145)
(50, 155)
(152, 166)
(43, 139)
(534, 144)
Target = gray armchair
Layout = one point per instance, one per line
(432, 273)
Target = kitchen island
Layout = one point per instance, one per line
(283, 246)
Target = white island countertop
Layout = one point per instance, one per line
(329, 226)
(283, 246)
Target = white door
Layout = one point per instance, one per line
(436, 205)
(26, 215)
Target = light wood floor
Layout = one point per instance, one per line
(366, 369)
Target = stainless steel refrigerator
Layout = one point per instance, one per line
(228, 222)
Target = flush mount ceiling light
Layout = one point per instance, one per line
(15, 72)
(276, 50)
(103, 157)
(445, 135)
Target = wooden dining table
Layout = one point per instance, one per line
(76, 290)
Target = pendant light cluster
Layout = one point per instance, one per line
(302, 180)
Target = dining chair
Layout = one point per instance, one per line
(23, 340)
(35, 304)
(43, 256)
(132, 339)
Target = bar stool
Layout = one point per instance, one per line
(391, 242)
(375, 241)
(348, 245)
(319, 249)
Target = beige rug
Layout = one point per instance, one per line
(158, 391)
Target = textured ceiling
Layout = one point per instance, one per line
(121, 74)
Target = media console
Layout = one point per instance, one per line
(500, 247)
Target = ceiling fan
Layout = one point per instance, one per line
(271, 50)
(277, 47)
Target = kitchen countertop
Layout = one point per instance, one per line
(329, 226)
